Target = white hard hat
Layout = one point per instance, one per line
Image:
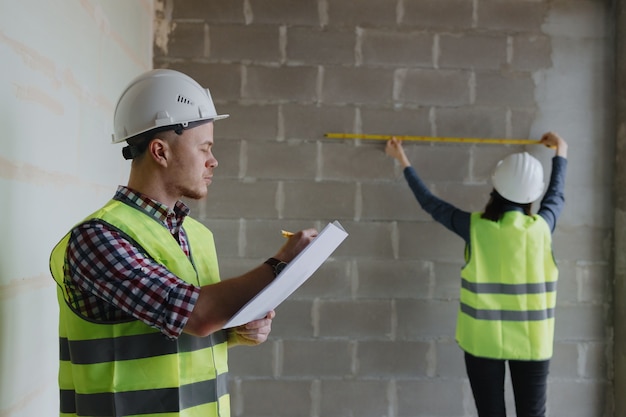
(160, 98)
(519, 178)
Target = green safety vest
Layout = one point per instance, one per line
(128, 368)
(508, 290)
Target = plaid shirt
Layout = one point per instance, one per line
(111, 279)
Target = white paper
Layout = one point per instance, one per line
(293, 276)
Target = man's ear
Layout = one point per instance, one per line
(159, 151)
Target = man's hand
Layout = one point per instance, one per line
(295, 244)
(253, 333)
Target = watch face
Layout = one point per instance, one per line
(280, 266)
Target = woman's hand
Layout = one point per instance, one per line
(395, 150)
(553, 140)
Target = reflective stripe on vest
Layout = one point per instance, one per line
(128, 368)
(508, 289)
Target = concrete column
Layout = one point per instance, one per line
(619, 292)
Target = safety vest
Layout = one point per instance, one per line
(128, 368)
(508, 290)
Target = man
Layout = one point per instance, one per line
(142, 306)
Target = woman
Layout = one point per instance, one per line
(508, 290)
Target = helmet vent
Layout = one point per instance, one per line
(184, 100)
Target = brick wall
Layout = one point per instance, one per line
(372, 333)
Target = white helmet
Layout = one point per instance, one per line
(161, 98)
(519, 178)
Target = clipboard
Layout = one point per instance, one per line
(293, 276)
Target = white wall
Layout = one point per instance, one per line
(63, 65)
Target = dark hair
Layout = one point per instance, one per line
(495, 208)
(138, 144)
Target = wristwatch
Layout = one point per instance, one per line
(276, 264)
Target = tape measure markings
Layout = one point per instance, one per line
(432, 139)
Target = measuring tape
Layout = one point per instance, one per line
(431, 139)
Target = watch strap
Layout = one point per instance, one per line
(273, 262)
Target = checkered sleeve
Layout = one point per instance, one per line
(112, 273)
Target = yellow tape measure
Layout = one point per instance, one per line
(431, 139)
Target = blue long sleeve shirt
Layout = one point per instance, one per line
(458, 221)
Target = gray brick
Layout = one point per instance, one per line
(596, 360)
(345, 162)
(447, 280)
(332, 280)
(594, 287)
(585, 205)
(363, 13)
(505, 89)
(471, 122)
(564, 398)
(422, 320)
(244, 43)
(397, 360)
(410, 122)
(472, 51)
(234, 199)
(367, 240)
(439, 163)
(588, 174)
(581, 322)
(210, 11)
(266, 398)
(293, 320)
(303, 12)
(436, 398)
(521, 123)
(354, 398)
(223, 80)
(309, 200)
(512, 15)
(312, 45)
(249, 122)
(347, 319)
(227, 152)
(281, 83)
(277, 160)
(588, 17)
(312, 122)
(345, 85)
(531, 52)
(564, 363)
(252, 361)
(450, 359)
(385, 48)
(449, 14)
(187, 40)
(449, 246)
(469, 197)
(435, 87)
(381, 279)
(582, 243)
(386, 201)
(323, 358)
(568, 284)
